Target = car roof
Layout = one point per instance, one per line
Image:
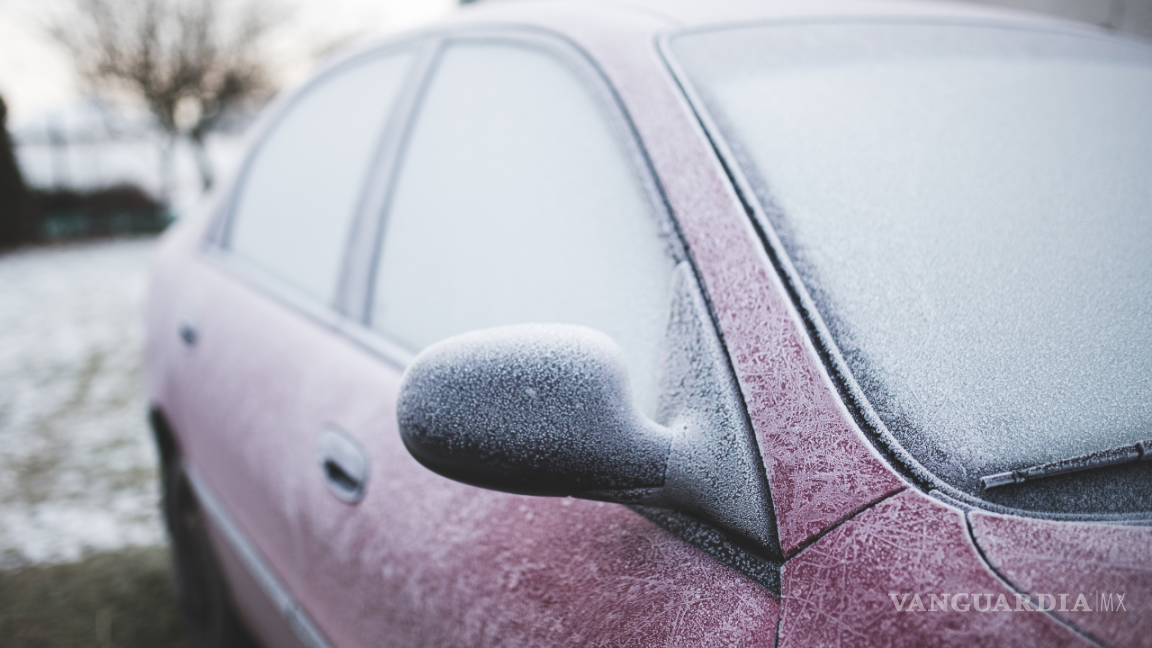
(665, 15)
(601, 26)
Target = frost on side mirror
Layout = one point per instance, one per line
(535, 409)
(545, 409)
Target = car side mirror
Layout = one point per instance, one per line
(535, 409)
(545, 409)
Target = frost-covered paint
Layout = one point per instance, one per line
(820, 467)
(1099, 561)
(839, 591)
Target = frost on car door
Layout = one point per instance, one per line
(252, 408)
(518, 198)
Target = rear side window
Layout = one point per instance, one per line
(296, 204)
(518, 201)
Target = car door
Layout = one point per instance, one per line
(258, 304)
(519, 195)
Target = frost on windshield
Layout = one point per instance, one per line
(970, 209)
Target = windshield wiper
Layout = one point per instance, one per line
(1140, 451)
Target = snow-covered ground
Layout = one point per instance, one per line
(77, 466)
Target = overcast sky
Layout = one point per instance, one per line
(35, 74)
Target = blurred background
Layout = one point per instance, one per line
(116, 118)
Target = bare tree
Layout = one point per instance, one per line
(187, 60)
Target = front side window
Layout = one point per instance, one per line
(518, 202)
(301, 189)
(970, 209)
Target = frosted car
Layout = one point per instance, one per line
(788, 325)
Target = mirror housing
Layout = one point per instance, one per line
(544, 409)
(535, 409)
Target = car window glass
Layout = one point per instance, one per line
(518, 202)
(300, 192)
(971, 211)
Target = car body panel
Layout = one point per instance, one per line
(238, 428)
(269, 613)
(462, 566)
(1036, 555)
(177, 300)
(841, 590)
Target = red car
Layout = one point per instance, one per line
(793, 324)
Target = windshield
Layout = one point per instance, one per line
(970, 210)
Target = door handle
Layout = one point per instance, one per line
(344, 464)
(188, 333)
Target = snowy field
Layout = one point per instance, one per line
(77, 466)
